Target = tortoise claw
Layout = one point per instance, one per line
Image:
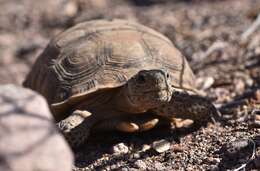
(148, 125)
(182, 123)
(127, 127)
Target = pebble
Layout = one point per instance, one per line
(145, 147)
(136, 155)
(161, 145)
(113, 167)
(139, 164)
(120, 148)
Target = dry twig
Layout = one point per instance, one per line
(245, 36)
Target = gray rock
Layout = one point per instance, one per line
(161, 145)
(120, 148)
(139, 164)
(29, 139)
(145, 147)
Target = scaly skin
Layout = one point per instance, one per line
(188, 106)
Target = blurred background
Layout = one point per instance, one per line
(26, 26)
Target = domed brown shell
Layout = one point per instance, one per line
(98, 55)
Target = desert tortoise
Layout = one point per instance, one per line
(115, 75)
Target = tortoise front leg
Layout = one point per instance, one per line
(187, 106)
(76, 127)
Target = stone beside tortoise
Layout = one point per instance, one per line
(116, 75)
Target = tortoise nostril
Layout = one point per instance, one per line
(141, 79)
(167, 75)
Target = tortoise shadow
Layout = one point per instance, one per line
(100, 144)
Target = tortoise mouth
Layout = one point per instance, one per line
(156, 91)
(150, 99)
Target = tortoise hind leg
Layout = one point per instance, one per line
(76, 127)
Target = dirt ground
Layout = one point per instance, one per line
(223, 50)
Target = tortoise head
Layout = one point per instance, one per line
(149, 89)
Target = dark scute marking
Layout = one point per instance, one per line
(84, 87)
(131, 64)
(112, 75)
(103, 54)
(72, 62)
(76, 74)
(147, 49)
(153, 52)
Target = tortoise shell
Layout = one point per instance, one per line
(100, 55)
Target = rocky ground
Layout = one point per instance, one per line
(220, 40)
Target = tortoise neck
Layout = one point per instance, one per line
(123, 103)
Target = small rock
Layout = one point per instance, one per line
(136, 155)
(161, 146)
(113, 167)
(139, 164)
(29, 138)
(145, 147)
(120, 148)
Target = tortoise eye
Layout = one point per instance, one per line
(140, 79)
